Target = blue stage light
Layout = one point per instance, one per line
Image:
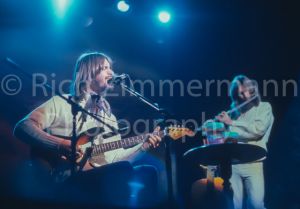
(61, 6)
(123, 6)
(164, 16)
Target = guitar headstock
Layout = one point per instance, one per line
(176, 132)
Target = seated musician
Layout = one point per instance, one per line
(252, 122)
(43, 127)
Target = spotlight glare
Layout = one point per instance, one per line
(164, 16)
(61, 7)
(123, 6)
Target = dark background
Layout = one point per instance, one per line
(205, 40)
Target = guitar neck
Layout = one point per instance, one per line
(123, 143)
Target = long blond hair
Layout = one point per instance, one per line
(88, 65)
(251, 85)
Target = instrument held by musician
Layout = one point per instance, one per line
(215, 132)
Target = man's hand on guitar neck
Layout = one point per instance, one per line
(153, 140)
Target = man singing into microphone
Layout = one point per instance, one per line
(43, 126)
(253, 123)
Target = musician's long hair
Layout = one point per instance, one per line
(88, 65)
(252, 87)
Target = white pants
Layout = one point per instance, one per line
(248, 177)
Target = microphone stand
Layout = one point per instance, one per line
(75, 108)
(165, 115)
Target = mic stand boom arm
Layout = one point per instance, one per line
(142, 98)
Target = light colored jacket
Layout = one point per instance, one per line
(255, 125)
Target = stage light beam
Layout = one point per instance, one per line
(61, 7)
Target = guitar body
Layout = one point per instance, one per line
(91, 149)
(94, 155)
(85, 159)
(84, 143)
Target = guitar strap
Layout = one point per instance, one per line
(96, 104)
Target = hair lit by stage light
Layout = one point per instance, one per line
(61, 6)
(164, 16)
(123, 6)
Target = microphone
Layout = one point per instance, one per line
(117, 79)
